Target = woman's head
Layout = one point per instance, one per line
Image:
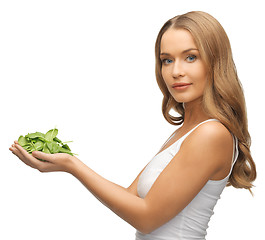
(183, 71)
(220, 90)
(214, 49)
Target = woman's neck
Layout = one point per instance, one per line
(194, 114)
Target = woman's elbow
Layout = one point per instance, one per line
(144, 230)
(146, 226)
(146, 220)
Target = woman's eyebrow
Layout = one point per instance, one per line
(187, 50)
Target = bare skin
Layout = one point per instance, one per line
(205, 154)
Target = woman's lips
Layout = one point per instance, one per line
(181, 86)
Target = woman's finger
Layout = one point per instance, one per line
(26, 157)
(43, 156)
(16, 152)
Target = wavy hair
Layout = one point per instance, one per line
(223, 96)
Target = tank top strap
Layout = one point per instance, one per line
(236, 152)
(184, 136)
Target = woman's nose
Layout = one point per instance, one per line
(178, 70)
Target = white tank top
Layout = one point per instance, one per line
(192, 222)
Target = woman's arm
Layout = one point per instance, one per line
(201, 155)
(125, 204)
(122, 201)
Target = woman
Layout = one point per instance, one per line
(174, 195)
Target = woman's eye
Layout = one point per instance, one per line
(166, 61)
(191, 58)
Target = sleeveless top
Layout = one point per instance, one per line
(192, 222)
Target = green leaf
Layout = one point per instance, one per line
(64, 150)
(28, 146)
(66, 147)
(22, 141)
(53, 147)
(39, 145)
(51, 134)
(35, 135)
(45, 148)
(56, 139)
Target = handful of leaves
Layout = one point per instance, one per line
(47, 143)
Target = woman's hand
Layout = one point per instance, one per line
(42, 161)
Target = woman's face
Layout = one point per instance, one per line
(183, 70)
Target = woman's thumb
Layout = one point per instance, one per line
(42, 156)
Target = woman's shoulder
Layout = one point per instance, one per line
(213, 132)
(210, 139)
(213, 128)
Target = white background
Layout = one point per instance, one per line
(87, 67)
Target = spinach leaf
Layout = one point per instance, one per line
(53, 147)
(35, 135)
(51, 134)
(56, 139)
(64, 150)
(45, 148)
(22, 141)
(39, 145)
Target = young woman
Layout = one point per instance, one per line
(174, 195)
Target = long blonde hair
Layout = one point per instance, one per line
(223, 97)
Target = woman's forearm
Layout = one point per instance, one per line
(126, 205)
